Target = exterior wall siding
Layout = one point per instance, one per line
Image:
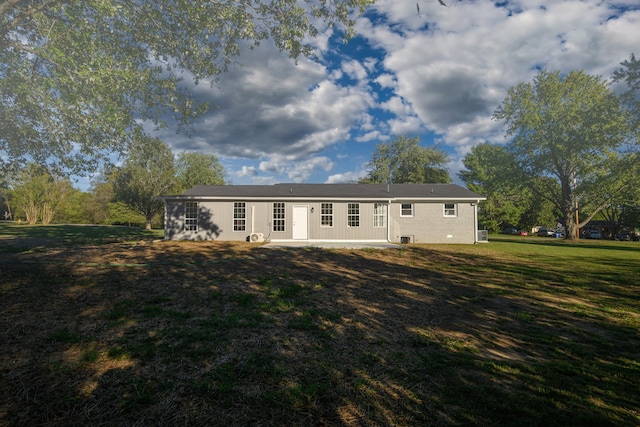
(430, 225)
(340, 229)
(427, 225)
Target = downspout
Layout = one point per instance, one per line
(164, 222)
(475, 222)
(253, 215)
(389, 221)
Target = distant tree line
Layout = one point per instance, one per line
(124, 194)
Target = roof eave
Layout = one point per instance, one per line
(318, 199)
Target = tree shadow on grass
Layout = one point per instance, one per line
(225, 333)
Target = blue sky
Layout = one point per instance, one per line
(438, 74)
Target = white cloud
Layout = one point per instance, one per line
(386, 80)
(372, 136)
(441, 74)
(345, 178)
(397, 106)
(355, 70)
(406, 125)
(271, 106)
(247, 171)
(271, 167)
(301, 170)
(456, 72)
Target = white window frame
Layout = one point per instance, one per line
(279, 216)
(379, 215)
(326, 215)
(450, 210)
(411, 209)
(353, 215)
(191, 216)
(239, 216)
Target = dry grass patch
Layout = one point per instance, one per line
(203, 333)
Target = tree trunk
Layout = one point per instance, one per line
(571, 228)
(47, 213)
(569, 211)
(31, 211)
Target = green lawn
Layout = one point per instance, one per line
(50, 235)
(522, 331)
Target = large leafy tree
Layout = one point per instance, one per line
(77, 77)
(487, 172)
(5, 198)
(194, 168)
(39, 194)
(629, 73)
(491, 170)
(629, 203)
(102, 194)
(147, 173)
(573, 129)
(405, 161)
(539, 210)
(77, 208)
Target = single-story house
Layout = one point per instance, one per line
(399, 213)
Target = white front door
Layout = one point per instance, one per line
(300, 223)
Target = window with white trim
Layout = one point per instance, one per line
(239, 216)
(406, 209)
(353, 214)
(326, 215)
(278, 216)
(191, 216)
(450, 209)
(379, 215)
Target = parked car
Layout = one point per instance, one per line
(545, 232)
(520, 233)
(624, 236)
(594, 234)
(558, 234)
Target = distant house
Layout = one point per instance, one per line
(401, 213)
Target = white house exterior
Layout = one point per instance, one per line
(399, 213)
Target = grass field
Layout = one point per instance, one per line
(117, 330)
(23, 237)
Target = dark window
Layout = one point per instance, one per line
(406, 209)
(326, 215)
(450, 209)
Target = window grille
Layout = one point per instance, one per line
(353, 215)
(278, 216)
(239, 216)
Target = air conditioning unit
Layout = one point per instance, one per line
(483, 236)
(256, 237)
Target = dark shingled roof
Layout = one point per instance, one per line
(337, 191)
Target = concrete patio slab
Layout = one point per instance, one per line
(332, 245)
